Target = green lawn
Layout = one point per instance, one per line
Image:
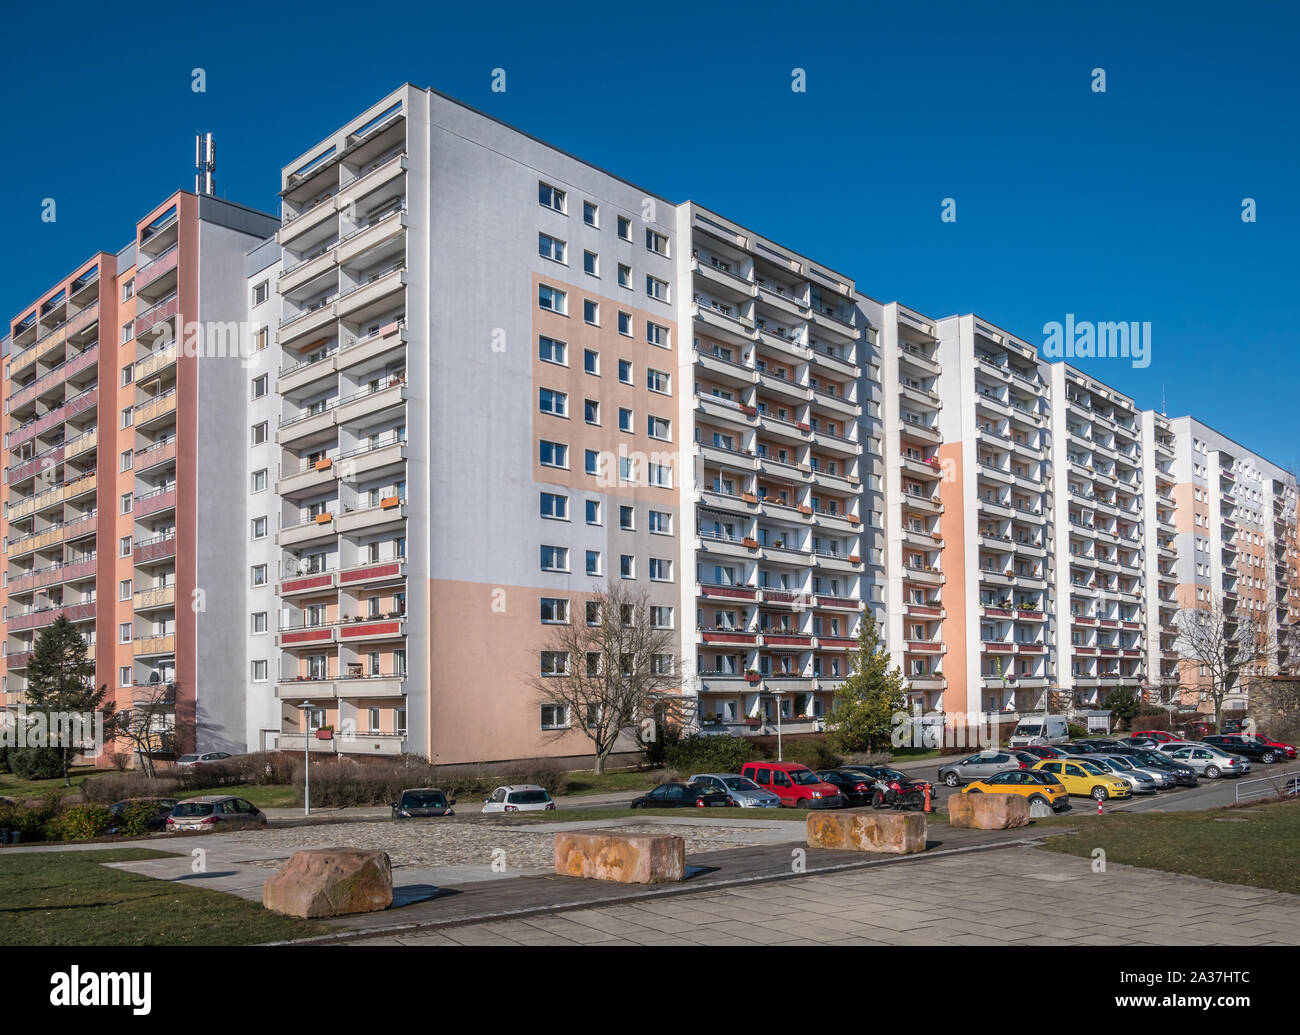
(630, 780)
(21, 790)
(1257, 851)
(69, 898)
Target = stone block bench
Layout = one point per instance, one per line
(628, 858)
(320, 882)
(893, 833)
(988, 811)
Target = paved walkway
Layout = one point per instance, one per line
(1017, 895)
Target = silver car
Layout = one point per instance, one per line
(1163, 778)
(1207, 760)
(741, 789)
(1139, 783)
(977, 767)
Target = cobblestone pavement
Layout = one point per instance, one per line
(1019, 896)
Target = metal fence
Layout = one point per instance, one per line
(1281, 784)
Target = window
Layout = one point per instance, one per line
(661, 617)
(555, 610)
(124, 546)
(124, 590)
(124, 633)
(627, 518)
(591, 462)
(554, 454)
(555, 558)
(656, 334)
(591, 362)
(661, 569)
(260, 386)
(591, 311)
(625, 371)
(593, 562)
(552, 402)
(555, 717)
(128, 288)
(259, 480)
(656, 288)
(555, 506)
(591, 263)
(128, 331)
(554, 299)
(259, 528)
(589, 213)
(124, 676)
(591, 411)
(627, 566)
(624, 276)
(549, 350)
(625, 228)
(259, 671)
(126, 460)
(259, 574)
(593, 612)
(259, 623)
(659, 427)
(125, 503)
(127, 417)
(128, 374)
(661, 522)
(593, 512)
(624, 419)
(551, 197)
(656, 242)
(549, 247)
(659, 381)
(260, 293)
(660, 475)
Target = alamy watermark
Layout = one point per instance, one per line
(82, 731)
(1084, 339)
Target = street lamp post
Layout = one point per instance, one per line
(777, 695)
(306, 757)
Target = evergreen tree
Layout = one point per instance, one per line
(61, 683)
(866, 702)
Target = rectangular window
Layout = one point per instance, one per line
(591, 311)
(125, 502)
(260, 386)
(549, 247)
(124, 632)
(661, 522)
(555, 558)
(625, 323)
(553, 299)
(555, 506)
(591, 462)
(624, 276)
(124, 546)
(656, 334)
(591, 362)
(260, 292)
(128, 331)
(555, 717)
(128, 374)
(591, 263)
(659, 381)
(589, 213)
(124, 676)
(656, 242)
(656, 288)
(661, 569)
(259, 574)
(593, 512)
(551, 197)
(624, 419)
(553, 402)
(555, 610)
(627, 566)
(593, 562)
(659, 427)
(259, 671)
(625, 228)
(259, 433)
(128, 288)
(661, 617)
(627, 518)
(126, 460)
(259, 622)
(128, 417)
(259, 481)
(124, 590)
(554, 454)
(625, 371)
(549, 350)
(591, 411)
(259, 528)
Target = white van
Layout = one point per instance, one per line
(1039, 731)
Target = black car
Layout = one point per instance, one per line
(423, 801)
(1239, 745)
(1184, 775)
(1233, 725)
(886, 774)
(854, 787)
(683, 796)
(157, 821)
(1102, 744)
(1078, 747)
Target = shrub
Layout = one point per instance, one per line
(36, 763)
(551, 775)
(1076, 731)
(4, 758)
(121, 760)
(80, 822)
(28, 822)
(813, 753)
(133, 820)
(110, 787)
(344, 783)
(705, 754)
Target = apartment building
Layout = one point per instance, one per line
(1235, 527)
(779, 387)
(119, 390)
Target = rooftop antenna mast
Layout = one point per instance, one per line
(205, 164)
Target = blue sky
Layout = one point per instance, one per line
(1117, 206)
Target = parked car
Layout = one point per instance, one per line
(1284, 749)
(418, 802)
(1208, 760)
(1138, 782)
(212, 811)
(1040, 751)
(684, 796)
(162, 808)
(1039, 730)
(854, 787)
(887, 775)
(1102, 743)
(1076, 748)
(1249, 747)
(1162, 736)
(1085, 779)
(980, 766)
(742, 790)
(1183, 774)
(1164, 778)
(520, 797)
(796, 785)
(1027, 783)
(1234, 725)
(189, 761)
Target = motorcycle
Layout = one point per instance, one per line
(893, 794)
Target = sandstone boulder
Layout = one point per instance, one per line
(318, 882)
(628, 858)
(988, 811)
(893, 833)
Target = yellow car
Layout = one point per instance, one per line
(1037, 787)
(1083, 778)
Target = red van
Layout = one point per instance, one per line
(796, 785)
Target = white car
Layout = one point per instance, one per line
(187, 761)
(741, 789)
(519, 797)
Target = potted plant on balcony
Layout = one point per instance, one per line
(752, 675)
(753, 722)
(325, 733)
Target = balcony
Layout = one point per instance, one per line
(311, 477)
(359, 351)
(157, 409)
(157, 548)
(370, 688)
(150, 646)
(385, 399)
(305, 690)
(305, 636)
(378, 290)
(313, 582)
(152, 599)
(379, 571)
(306, 373)
(156, 502)
(369, 629)
(319, 528)
(388, 515)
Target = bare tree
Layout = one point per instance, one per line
(1224, 645)
(609, 667)
(149, 725)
